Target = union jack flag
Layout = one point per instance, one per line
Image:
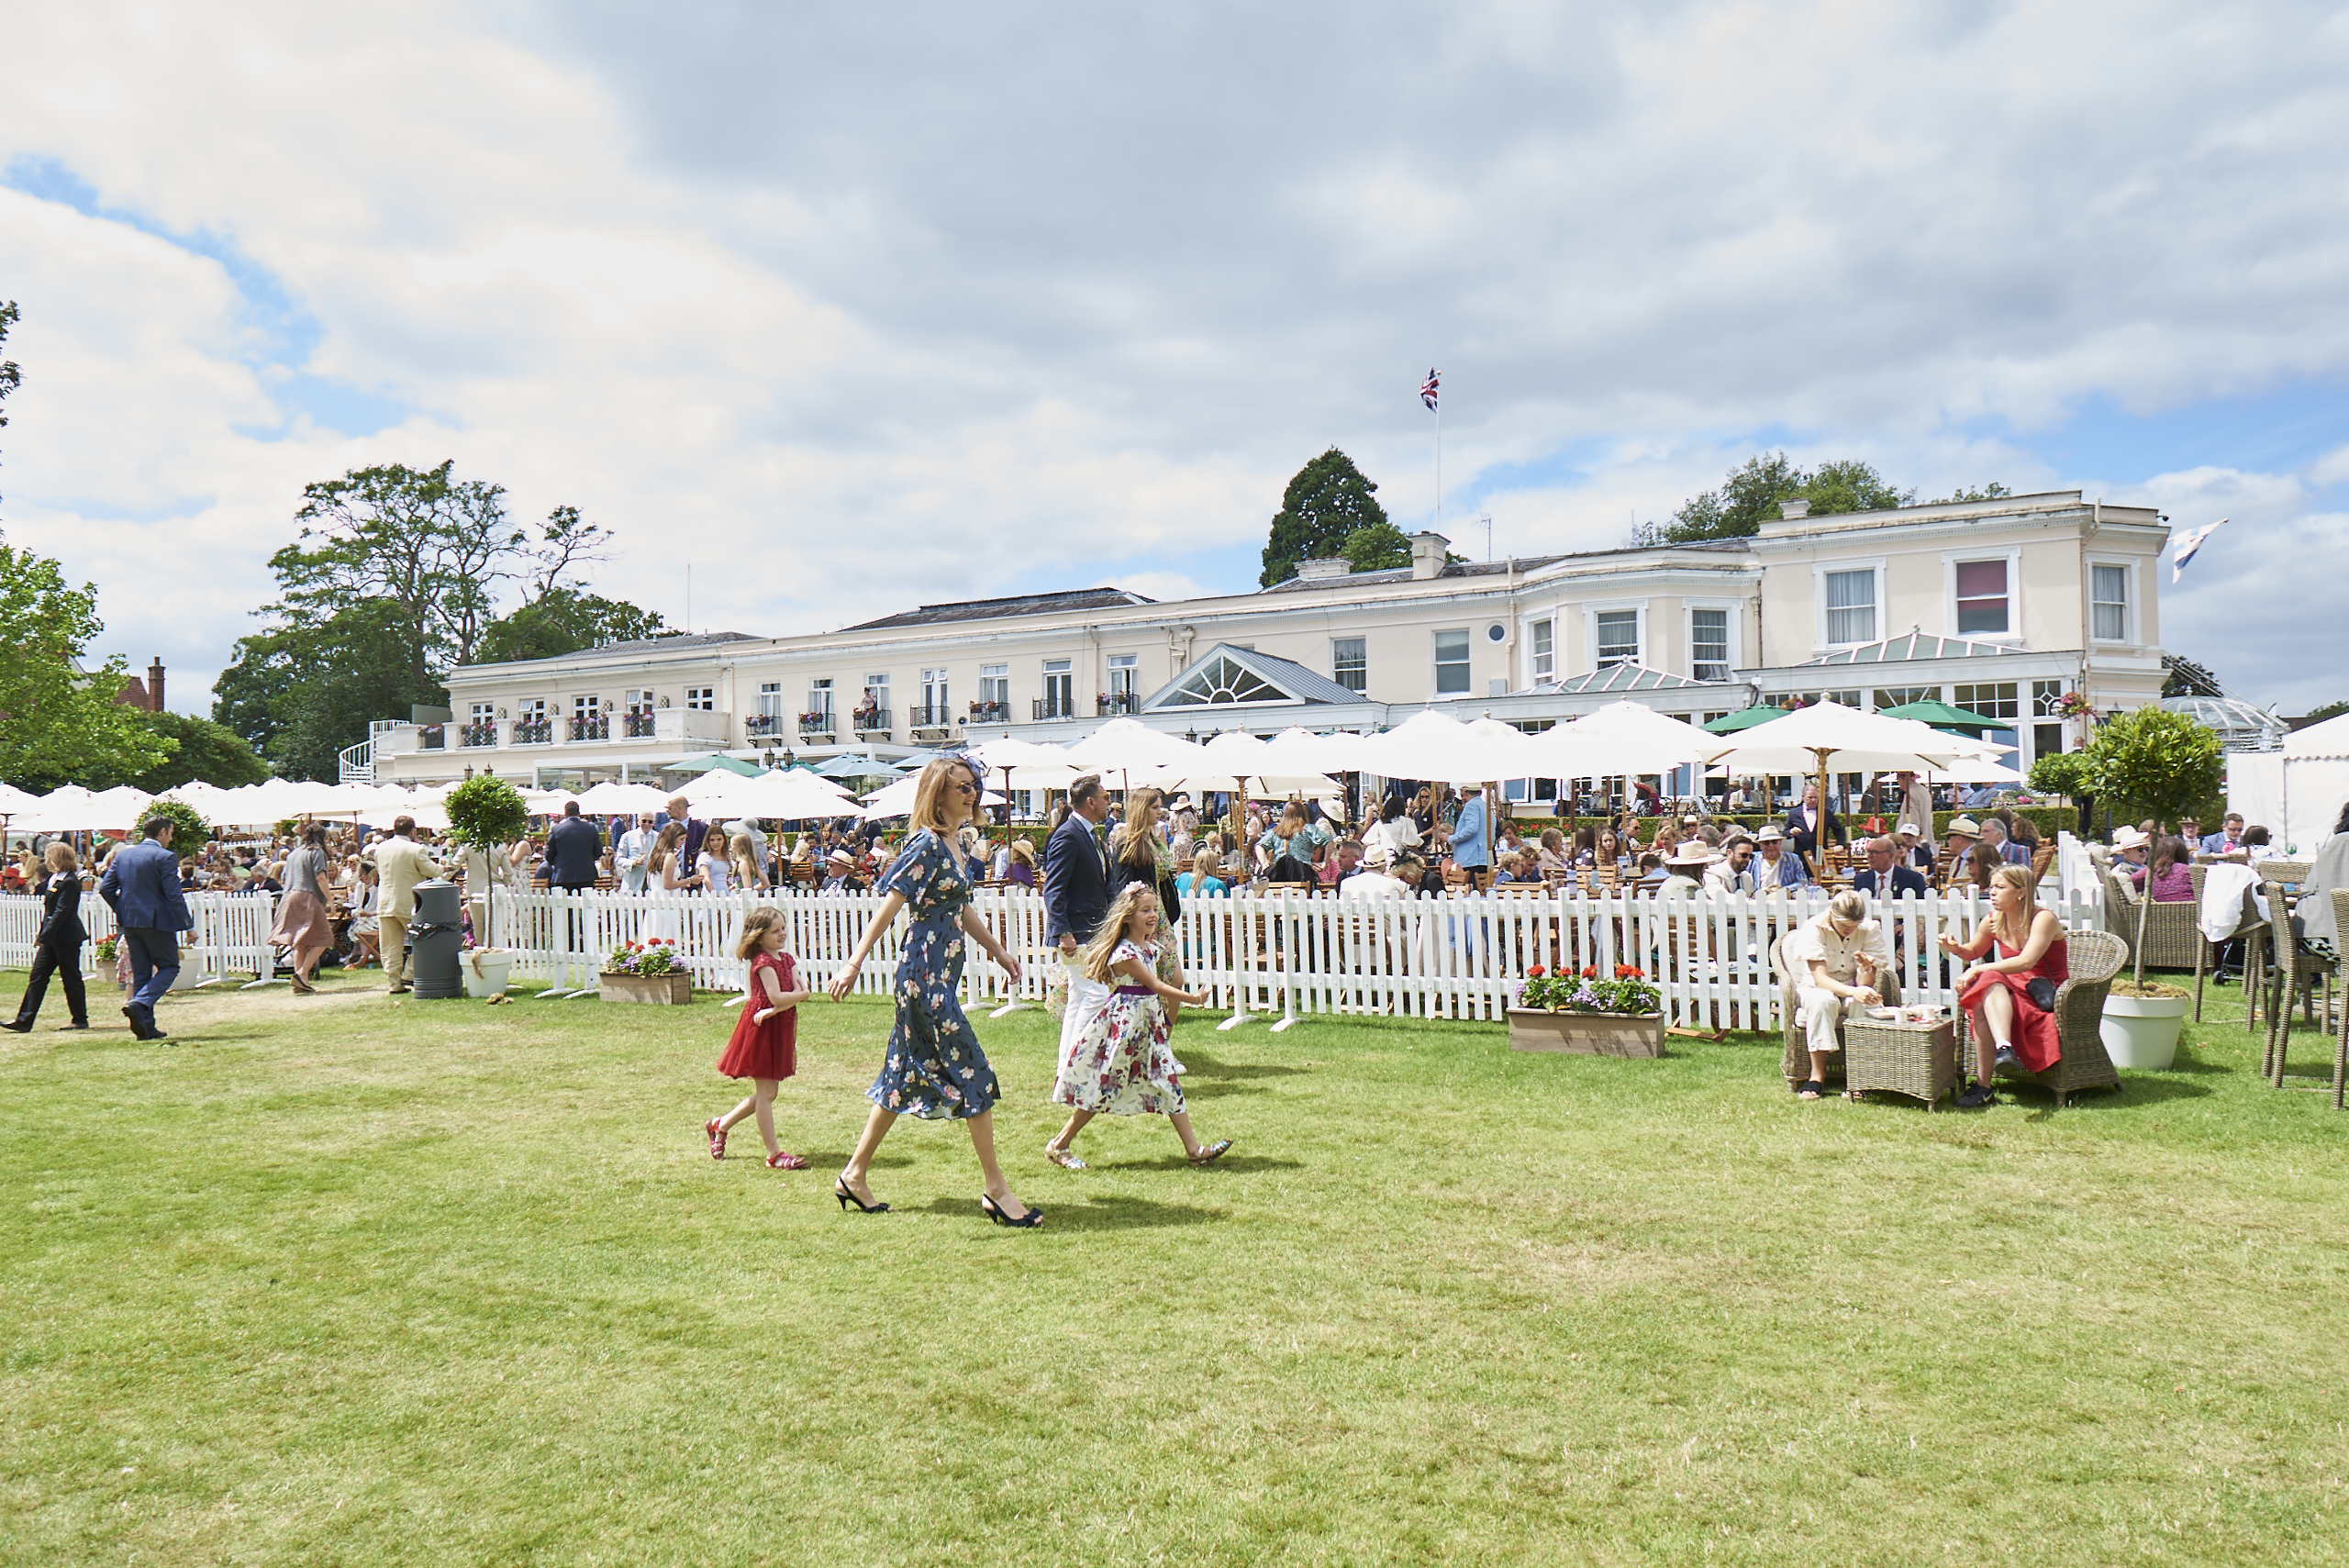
(1428, 387)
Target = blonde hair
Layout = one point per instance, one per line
(2025, 878)
(1137, 845)
(1103, 948)
(1849, 904)
(61, 858)
(755, 926)
(1206, 863)
(935, 779)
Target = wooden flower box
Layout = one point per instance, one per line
(1586, 1034)
(660, 989)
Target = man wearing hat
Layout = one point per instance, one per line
(2128, 849)
(1775, 868)
(1733, 872)
(839, 872)
(1688, 867)
(1963, 832)
(1909, 839)
(1472, 837)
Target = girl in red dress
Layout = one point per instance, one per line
(765, 1034)
(2011, 1032)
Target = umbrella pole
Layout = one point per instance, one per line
(1819, 821)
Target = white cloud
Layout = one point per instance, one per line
(1051, 300)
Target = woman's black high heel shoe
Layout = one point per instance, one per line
(839, 1190)
(988, 1206)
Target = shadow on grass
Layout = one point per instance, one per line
(1176, 1163)
(1107, 1213)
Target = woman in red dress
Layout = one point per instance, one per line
(2011, 1032)
(765, 1036)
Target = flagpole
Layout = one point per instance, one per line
(1439, 463)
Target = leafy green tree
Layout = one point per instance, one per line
(1750, 494)
(301, 692)
(1990, 492)
(565, 620)
(485, 814)
(2060, 773)
(59, 724)
(2330, 710)
(2157, 762)
(189, 830)
(203, 751)
(1328, 501)
(1378, 547)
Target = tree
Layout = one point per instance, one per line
(2330, 710)
(2060, 773)
(2182, 677)
(201, 751)
(1324, 505)
(189, 830)
(10, 377)
(58, 723)
(1377, 548)
(564, 620)
(1750, 496)
(2158, 762)
(1990, 492)
(485, 814)
(300, 692)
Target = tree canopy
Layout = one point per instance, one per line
(212, 754)
(1327, 502)
(1751, 493)
(565, 620)
(57, 722)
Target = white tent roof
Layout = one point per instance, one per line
(786, 793)
(1623, 738)
(1435, 746)
(2330, 738)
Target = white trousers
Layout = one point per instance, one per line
(1822, 1011)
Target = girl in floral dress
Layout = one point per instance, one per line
(1121, 1062)
(934, 1068)
(765, 1048)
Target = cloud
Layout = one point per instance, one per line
(857, 308)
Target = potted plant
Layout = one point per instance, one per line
(2142, 1019)
(650, 971)
(485, 814)
(1587, 1014)
(104, 951)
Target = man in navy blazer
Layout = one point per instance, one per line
(142, 886)
(1076, 871)
(1884, 876)
(573, 848)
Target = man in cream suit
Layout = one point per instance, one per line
(632, 856)
(402, 863)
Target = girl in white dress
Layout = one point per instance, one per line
(1120, 1062)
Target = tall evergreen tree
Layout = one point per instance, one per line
(1328, 502)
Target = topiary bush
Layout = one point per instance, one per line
(190, 831)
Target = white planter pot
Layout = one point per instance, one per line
(2142, 1032)
(486, 971)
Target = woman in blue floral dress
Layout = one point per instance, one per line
(934, 1068)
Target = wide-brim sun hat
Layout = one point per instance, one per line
(2130, 839)
(1772, 834)
(1965, 825)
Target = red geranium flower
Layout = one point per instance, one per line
(1590, 971)
(1535, 972)
(1630, 972)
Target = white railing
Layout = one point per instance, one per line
(1457, 957)
(230, 939)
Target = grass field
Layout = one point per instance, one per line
(359, 1279)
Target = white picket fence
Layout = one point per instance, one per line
(230, 940)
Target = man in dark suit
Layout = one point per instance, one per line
(573, 849)
(142, 886)
(1803, 827)
(694, 828)
(1076, 869)
(1885, 876)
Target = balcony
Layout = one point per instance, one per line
(534, 733)
(636, 726)
(431, 737)
(871, 723)
(1118, 702)
(930, 723)
(1054, 707)
(990, 713)
(759, 724)
(816, 728)
(476, 735)
(591, 727)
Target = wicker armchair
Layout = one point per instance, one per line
(1795, 1060)
(2173, 931)
(2295, 975)
(2094, 958)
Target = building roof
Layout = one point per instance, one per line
(637, 645)
(1628, 678)
(2241, 726)
(1403, 573)
(1228, 669)
(1017, 605)
(1912, 645)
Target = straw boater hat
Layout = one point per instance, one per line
(841, 857)
(1771, 834)
(1695, 853)
(1966, 826)
(2130, 839)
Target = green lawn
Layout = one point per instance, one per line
(360, 1279)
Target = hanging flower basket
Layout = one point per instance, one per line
(1586, 1014)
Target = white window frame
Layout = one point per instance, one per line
(1951, 560)
(1736, 608)
(2130, 613)
(771, 698)
(1436, 666)
(1591, 614)
(1362, 644)
(1540, 662)
(1819, 572)
(586, 706)
(702, 699)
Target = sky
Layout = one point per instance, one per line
(847, 309)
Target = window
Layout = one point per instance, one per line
(1060, 690)
(1851, 606)
(637, 702)
(585, 707)
(1990, 699)
(702, 699)
(1349, 663)
(934, 699)
(2047, 729)
(1618, 638)
(1124, 668)
(994, 684)
(1901, 696)
(1545, 661)
(1709, 644)
(531, 710)
(1223, 679)
(484, 713)
(771, 698)
(1982, 597)
(1451, 662)
(820, 702)
(2108, 603)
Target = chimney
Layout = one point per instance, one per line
(1321, 568)
(1426, 555)
(155, 684)
(1793, 509)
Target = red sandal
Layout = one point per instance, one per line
(783, 1159)
(717, 1138)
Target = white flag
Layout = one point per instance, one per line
(2193, 540)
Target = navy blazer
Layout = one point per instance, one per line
(573, 845)
(1906, 879)
(1076, 882)
(60, 913)
(142, 885)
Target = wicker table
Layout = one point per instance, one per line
(1916, 1060)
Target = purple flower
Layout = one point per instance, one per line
(1584, 998)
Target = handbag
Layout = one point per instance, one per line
(2041, 992)
(1170, 898)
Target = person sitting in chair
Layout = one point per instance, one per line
(1835, 960)
(1885, 876)
(1775, 868)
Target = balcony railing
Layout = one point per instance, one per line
(431, 738)
(539, 734)
(930, 717)
(815, 723)
(1119, 701)
(762, 724)
(990, 713)
(872, 720)
(591, 727)
(1054, 707)
(482, 734)
(637, 726)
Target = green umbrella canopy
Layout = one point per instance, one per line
(703, 764)
(1942, 716)
(1744, 719)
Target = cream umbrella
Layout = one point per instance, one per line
(782, 794)
(1827, 737)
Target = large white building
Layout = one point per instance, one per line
(2000, 607)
